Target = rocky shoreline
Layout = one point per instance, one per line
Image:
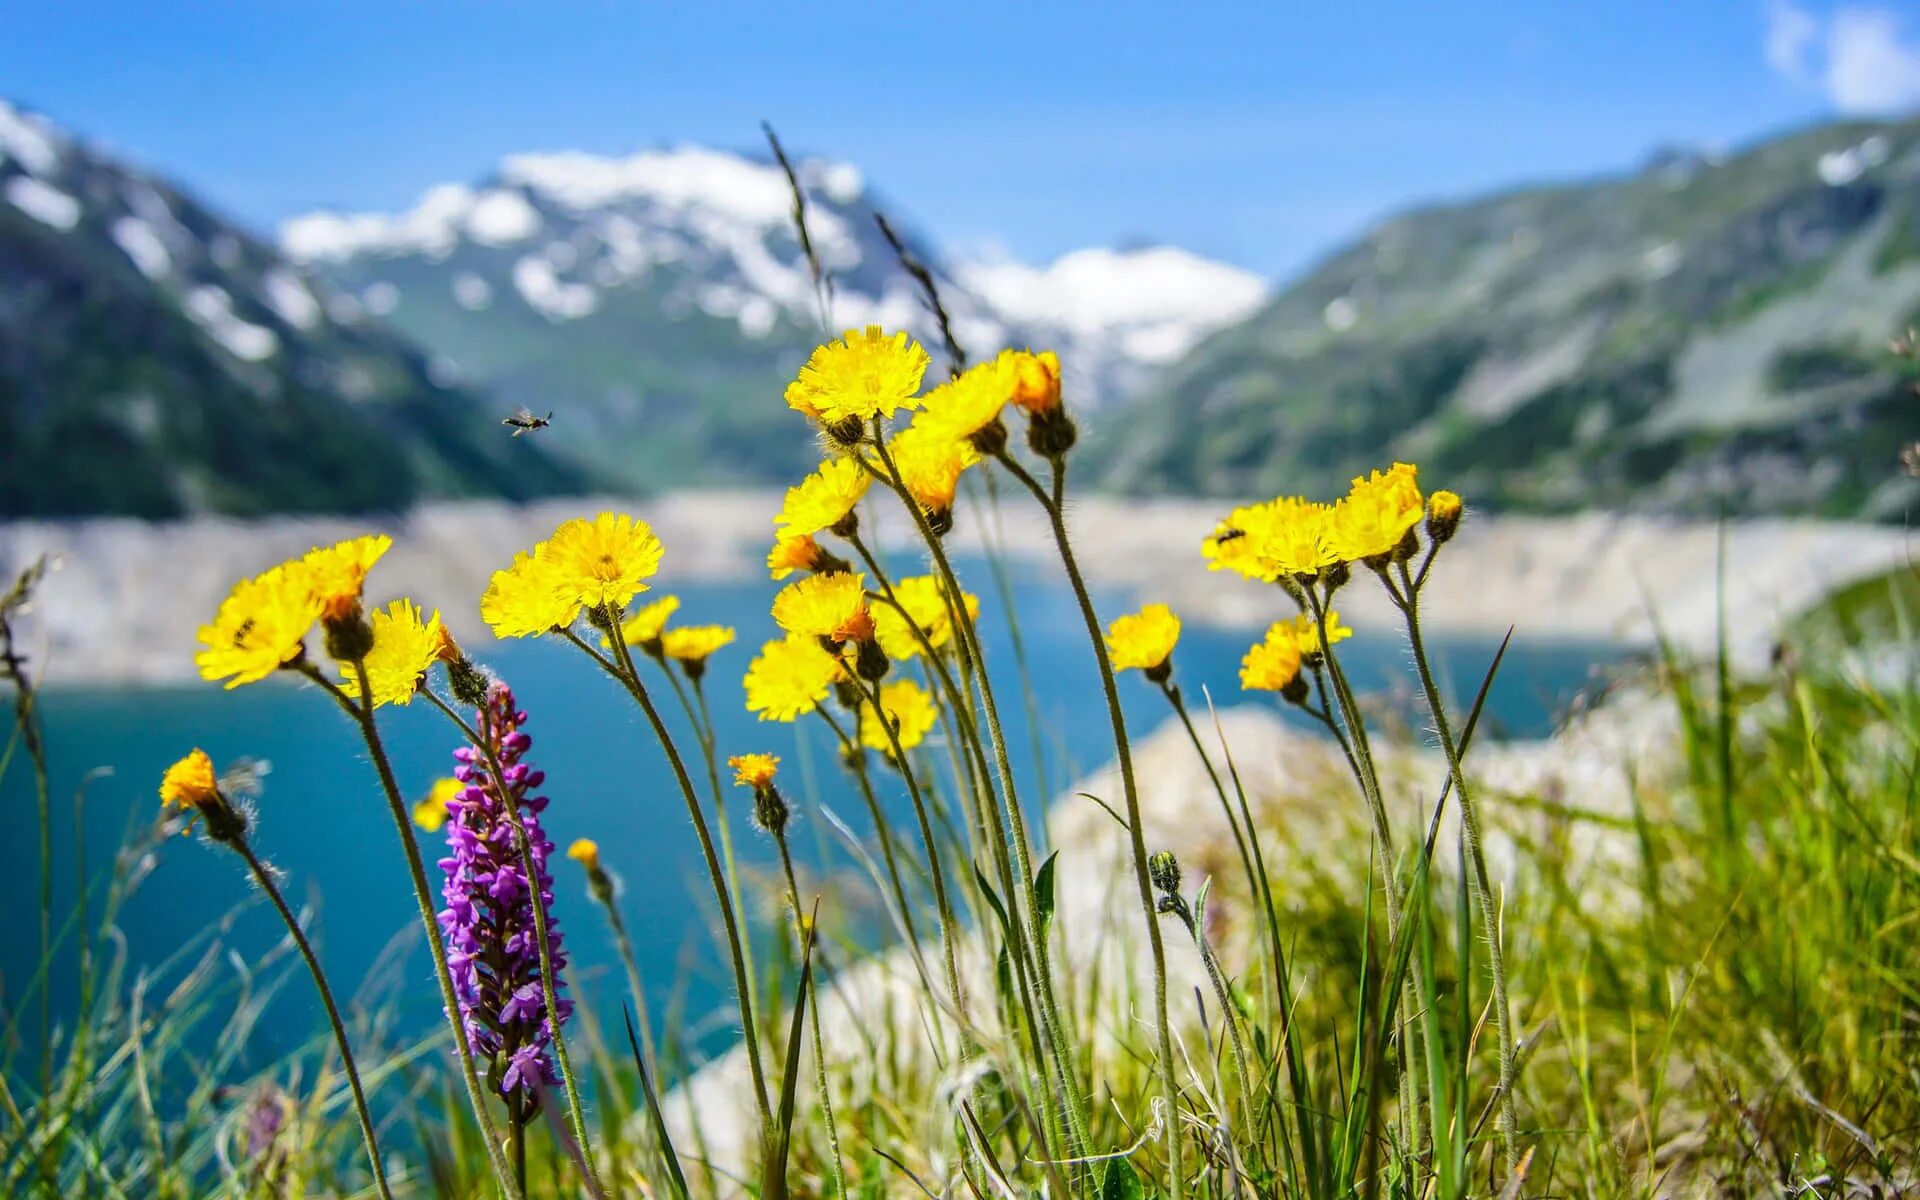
(128, 595)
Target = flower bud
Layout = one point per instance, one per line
(845, 433)
(349, 635)
(870, 661)
(990, 439)
(1443, 516)
(770, 811)
(468, 682)
(1051, 433)
(1163, 870)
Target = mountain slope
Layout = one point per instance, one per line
(1706, 334)
(156, 360)
(660, 301)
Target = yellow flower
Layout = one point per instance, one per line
(1443, 515)
(867, 373)
(790, 678)
(790, 554)
(1274, 663)
(602, 563)
(754, 770)
(1144, 640)
(586, 852)
(1310, 631)
(910, 710)
(339, 572)
(1378, 513)
(525, 599)
(925, 602)
(190, 783)
(822, 500)
(1231, 545)
(964, 406)
(648, 621)
(1037, 381)
(695, 643)
(261, 626)
(931, 461)
(832, 606)
(431, 813)
(404, 646)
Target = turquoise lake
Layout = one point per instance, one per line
(322, 821)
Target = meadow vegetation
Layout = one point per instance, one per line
(1723, 1002)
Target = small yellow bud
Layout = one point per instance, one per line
(586, 852)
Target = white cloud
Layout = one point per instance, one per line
(1860, 56)
(1793, 33)
(1870, 68)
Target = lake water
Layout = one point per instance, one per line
(323, 822)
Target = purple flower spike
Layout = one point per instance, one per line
(493, 947)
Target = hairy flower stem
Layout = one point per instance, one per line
(264, 877)
(813, 1012)
(362, 713)
(850, 751)
(1054, 1029)
(959, 703)
(1229, 1014)
(1361, 755)
(575, 1110)
(1409, 603)
(701, 718)
(623, 672)
(1252, 860)
(949, 929)
(1130, 792)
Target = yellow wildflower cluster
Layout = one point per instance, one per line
(754, 770)
(1296, 539)
(1144, 641)
(909, 710)
(922, 602)
(790, 677)
(405, 647)
(598, 565)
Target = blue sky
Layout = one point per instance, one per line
(1259, 133)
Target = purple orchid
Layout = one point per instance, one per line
(493, 944)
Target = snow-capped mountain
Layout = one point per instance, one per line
(658, 300)
(156, 359)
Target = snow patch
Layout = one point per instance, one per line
(688, 176)
(288, 295)
(1837, 168)
(444, 215)
(212, 309)
(1158, 300)
(545, 292)
(29, 140)
(144, 245)
(1341, 314)
(46, 204)
(501, 218)
(471, 292)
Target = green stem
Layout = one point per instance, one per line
(362, 714)
(700, 716)
(542, 938)
(967, 636)
(853, 756)
(628, 678)
(949, 929)
(1409, 603)
(1130, 792)
(264, 877)
(813, 1012)
(1229, 1015)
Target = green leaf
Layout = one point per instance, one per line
(1043, 893)
(1119, 1181)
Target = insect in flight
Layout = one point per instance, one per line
(523, 420)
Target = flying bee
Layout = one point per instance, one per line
(523, 420)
